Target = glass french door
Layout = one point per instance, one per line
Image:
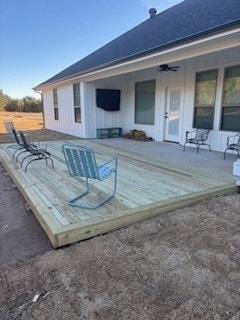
(173, 113)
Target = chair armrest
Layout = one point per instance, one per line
(189, 134)
(114, 159)
(232, 140)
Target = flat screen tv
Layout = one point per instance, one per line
(108, 99)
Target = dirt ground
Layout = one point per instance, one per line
(21, 120)
(179, 266)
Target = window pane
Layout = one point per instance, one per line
(205, 88)
(174, 112)
(203, 118)
(231, 118)
(55, 97)
(145, 102)
(56, 113)
(231, 88)
(77, 115)
(76, 94)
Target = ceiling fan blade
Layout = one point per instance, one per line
(166, 67)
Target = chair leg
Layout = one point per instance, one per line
(208, 147)
(19, 149)
(20, 154)
(203, 144)
(46, 158)
(74, 203)
(28, 156)
(49, 158)
(224, 155)
(225, 152)
(197, 147)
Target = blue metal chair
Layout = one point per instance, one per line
(81, 162)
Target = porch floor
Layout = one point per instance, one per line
(153, 178)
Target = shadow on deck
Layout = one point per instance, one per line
(148, 185)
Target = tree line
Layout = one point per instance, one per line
(26, 104)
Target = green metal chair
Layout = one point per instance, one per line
(81, 161)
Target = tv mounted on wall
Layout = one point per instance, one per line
(108, 99)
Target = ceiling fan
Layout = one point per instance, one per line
(166, 67)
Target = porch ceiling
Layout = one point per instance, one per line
(147, 186)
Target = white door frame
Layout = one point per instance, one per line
(168, 135)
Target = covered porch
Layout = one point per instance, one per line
(153, 178)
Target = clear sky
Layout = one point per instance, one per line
(38, 39)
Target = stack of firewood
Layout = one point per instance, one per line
(137, 135)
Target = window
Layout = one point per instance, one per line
(204, 102)
(145, 102)
(76, 103)
(231, 100)
(55, 104)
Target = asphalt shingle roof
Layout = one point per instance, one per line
(185, 21)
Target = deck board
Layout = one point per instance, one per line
(145, 187)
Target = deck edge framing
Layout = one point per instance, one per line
(84, 230)
(47, 221)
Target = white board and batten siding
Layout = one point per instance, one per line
(94, 117)
(66, 123)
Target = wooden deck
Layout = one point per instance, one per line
(145, 188)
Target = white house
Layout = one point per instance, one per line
(200, 37)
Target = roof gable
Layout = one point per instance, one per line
(186, 20)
